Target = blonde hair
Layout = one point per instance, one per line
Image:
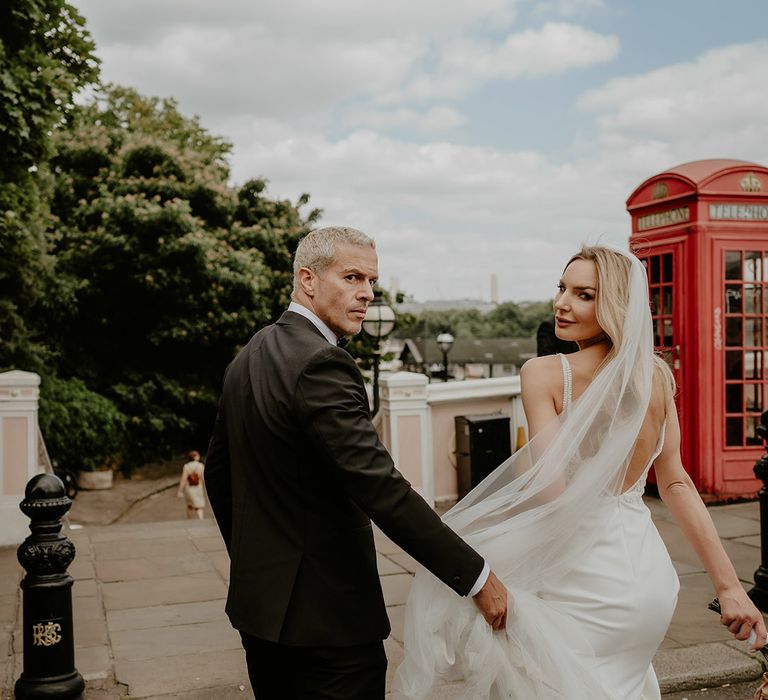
(317, 249)
(611, 300)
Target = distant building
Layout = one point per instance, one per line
(416, 307)
(469, 358)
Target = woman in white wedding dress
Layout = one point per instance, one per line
(562, 523)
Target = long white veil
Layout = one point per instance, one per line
(533, 519)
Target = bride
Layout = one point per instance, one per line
(562, 522)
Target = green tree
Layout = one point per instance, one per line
(46, 57)
(508, 320)
(171, 268)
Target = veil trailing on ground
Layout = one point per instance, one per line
(533, 519)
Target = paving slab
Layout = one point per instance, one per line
(152, 567)
(397, 621)
(192, 639)
(163, 591)
(406, 561)
(165, 615)
(145, 548)
(396, 588)
(725, 691)
(94, 663)
(148, 678)
(729, 524)
(703, 665)
(386, 566)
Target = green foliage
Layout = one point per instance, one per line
(83, 430)
(508, 320)
(46, 56)
(169, 267)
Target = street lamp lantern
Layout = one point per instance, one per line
(445, 343)
(379, 322)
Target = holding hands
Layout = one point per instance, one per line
(492, 602)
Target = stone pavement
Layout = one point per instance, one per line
(149, 621)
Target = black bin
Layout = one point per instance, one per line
(482, 444)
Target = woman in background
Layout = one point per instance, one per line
(191, 486)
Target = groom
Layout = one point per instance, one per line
(295, 470)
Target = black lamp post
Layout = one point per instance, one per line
(379, 322)
(445, 343)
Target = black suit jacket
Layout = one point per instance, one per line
(294, 471)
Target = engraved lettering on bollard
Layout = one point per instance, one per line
(46, 635)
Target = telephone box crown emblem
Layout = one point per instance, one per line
(751, 183)
(660, 191)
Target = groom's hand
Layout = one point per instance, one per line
(492, 601)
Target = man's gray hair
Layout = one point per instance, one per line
(317, 249)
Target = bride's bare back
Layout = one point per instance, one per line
(543, 387)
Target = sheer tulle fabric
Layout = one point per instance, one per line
(533, 519)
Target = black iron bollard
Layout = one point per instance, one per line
(49, 645)
(759, 592)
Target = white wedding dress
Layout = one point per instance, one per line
(622, 594)
(591, 586)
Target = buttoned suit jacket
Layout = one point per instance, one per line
(295, 472)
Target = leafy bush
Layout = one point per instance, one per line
(83, 430)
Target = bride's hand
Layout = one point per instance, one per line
(492, 601)
(739, 614)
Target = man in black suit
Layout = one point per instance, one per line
(295, 470)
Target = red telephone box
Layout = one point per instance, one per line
(702, 231)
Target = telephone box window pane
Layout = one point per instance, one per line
(733, 298)
(666, 299)
(666, 267)
(668, 339)
(753, 261)
(751, 298)
(734, 431)
(732, 265)
(734, 398)
(656, 333)
(655, 270)
(765, 297)
(733, 364)
(753, 365)
(753, 332)
(733, 331)
(752, 436)
(754, 397)
(655, 301)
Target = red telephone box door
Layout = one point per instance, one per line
(664, 267)
(742, 277)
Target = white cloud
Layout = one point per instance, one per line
(718, 100)
(435, 119)
(568, 8)
(465, 63)
(300, 60)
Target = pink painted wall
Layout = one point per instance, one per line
(15, 455)
(408, 459)
(443, 429)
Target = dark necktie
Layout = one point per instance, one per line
(342, 342)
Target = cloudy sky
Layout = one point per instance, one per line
(469, 137)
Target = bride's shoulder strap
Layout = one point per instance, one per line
(567, 381)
